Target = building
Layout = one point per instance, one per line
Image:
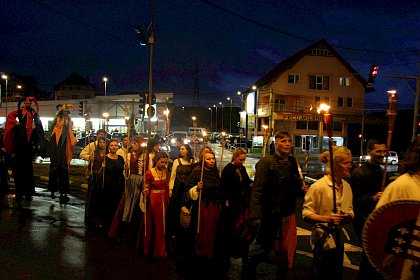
(285, 95)
(88, 114)
(74, 87)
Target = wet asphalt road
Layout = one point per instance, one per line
(42, 239)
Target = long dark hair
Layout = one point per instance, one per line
(189, 152)
(411, 163)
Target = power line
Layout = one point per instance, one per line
(294, 36)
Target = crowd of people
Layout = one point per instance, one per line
(202, 215)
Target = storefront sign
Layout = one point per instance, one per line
(300, 117)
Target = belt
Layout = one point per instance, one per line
(158, 191)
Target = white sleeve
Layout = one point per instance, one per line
(173, 174)
(86, 152)
(194, 193)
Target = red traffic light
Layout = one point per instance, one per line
(360, 136)
(374, 71)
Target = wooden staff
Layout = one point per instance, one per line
(144, 181)
(127, 158)
(223, 149)
(391, 113)
(201, 178)
(328, 125)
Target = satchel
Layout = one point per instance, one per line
(185, 217)
(185, 214)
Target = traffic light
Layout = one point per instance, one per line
(372, 75)
(360, 136)
(141, 35)
(142, 103)
(153, 99)
(81, 108)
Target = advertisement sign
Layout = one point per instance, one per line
(250, 103)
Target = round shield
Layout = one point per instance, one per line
(387, 236)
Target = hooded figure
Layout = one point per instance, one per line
(62, 142)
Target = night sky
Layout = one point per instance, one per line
(233, 43)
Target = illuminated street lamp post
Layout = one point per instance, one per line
(105, 115)
(4, 77)
(265, 139)
(230, 116)
(216, 117)
(105, 79)
(223, 125)
(167, 121)
(211, 119)
(194, 120)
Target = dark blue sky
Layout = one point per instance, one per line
(233, 42)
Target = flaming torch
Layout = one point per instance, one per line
(325, 109)
(265, 139)
(391, 113)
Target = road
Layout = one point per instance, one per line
(45, 240)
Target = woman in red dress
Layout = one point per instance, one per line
(156, 189)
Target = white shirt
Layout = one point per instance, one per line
(319, 199)
(404, 187)
(123, 152)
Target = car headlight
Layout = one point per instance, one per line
(173, 141)
(186, 141)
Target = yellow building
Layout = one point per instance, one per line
(286, 94)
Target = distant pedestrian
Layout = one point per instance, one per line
(273, 208)
(123, 151)
(318, 209)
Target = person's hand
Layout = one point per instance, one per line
(305, 187)
(227, 203)
(377, 196)
(199, 186)
(146, 192)
(103, 164)
(126, 166)
(170, 193)
(335, 218)
(33, 126)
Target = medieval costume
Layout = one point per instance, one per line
(236, 190)
(19, 138)
(93, 215)
(62, 142)
(153, 231)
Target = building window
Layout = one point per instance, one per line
(87, 96)
(313, 125)
(345, 81)
(340, 102)
(319, 82)
(293, 78)
(301, 125)
(280, 105)
(74, 97)
(327, 100)
(349, 102)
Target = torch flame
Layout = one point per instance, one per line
(323, 108)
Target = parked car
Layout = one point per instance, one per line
(392, 158)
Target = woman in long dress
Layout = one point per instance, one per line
(93, 202)
(156, 190)
(236, 191)
(128, 216)
(181, 169)
(113, 185)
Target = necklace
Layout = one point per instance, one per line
(161, 175)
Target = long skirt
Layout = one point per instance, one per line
(204, 245)
(153, 232)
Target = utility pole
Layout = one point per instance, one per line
(151, 43)
(416, 93)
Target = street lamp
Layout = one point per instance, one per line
(167, 121)
(211, 119)
(230, 117)
(216, 117)
(106, 118)
(4, 77)
(194, 121)
(223, 125)
(105, 79)
(265, 139)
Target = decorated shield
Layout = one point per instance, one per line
(391, 238)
